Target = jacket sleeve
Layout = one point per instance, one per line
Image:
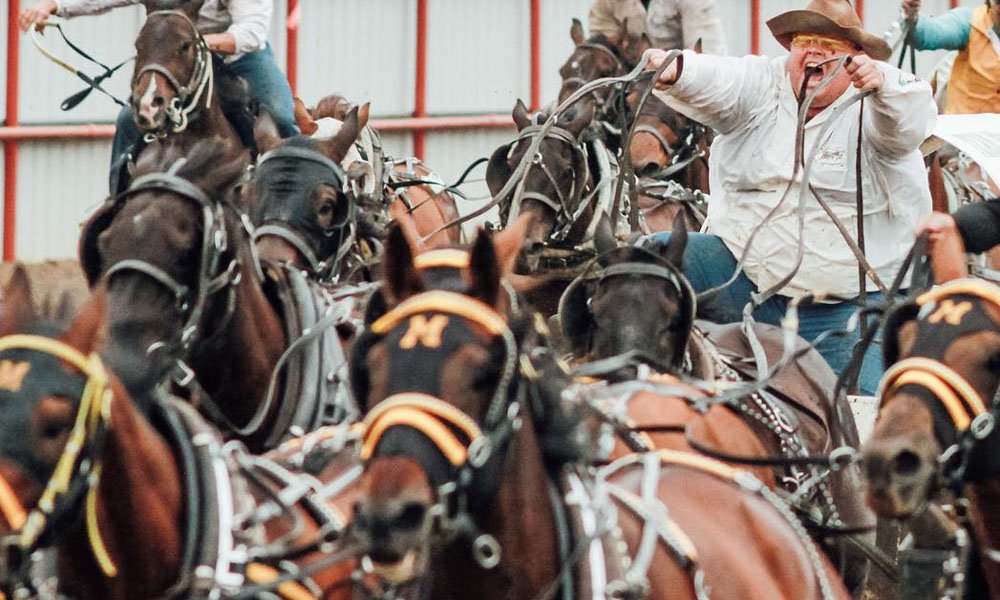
(251, 21)
(77, 8)
(949, 31)
(720, 91)
(900, 116)
(700, 20)
(979, 225)
(608, 17)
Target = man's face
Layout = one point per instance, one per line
(809, 50)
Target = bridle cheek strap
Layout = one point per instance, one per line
(432, 417)
(956, 394)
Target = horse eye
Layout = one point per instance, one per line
(186, 47)
(326, 208)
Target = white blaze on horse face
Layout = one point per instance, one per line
(146, 108)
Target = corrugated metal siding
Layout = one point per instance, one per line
(363, 49)
(557, 18)
(478, 54)
(108, 38)
(57, 183)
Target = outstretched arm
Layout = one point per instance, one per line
(945, 247)
(949, 31)
(248, 33)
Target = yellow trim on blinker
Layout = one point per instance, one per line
(442, 302)
(968, 286)
(95, 408)
(262, 574)
(443, 257)
(957, 395)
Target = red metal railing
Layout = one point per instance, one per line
(10, 150)
(754, 26)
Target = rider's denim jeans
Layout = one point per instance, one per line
(267, 85)
(709, 263)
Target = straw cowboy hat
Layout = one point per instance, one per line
(828, 17)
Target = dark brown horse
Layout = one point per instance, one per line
(138, 496)
(935, 435)
(454, 503)
(185, 293)
(174, 90)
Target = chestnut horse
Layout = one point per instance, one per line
(138, 495)
(186, 295)
(935, 435)
(456, 470)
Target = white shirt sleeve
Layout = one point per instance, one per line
(76, 8)
(901, 115)
(700, 20)
(721, 91)
(251, 21)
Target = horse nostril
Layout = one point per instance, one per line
(906, 463)
(647, 169)
(158, 101)
(412, 516)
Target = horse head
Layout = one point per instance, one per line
(299, 198)
(553, 187)
(598, 57)
(172, 251)
(173, 67)
(663, 137)
(935, 428)
(632, 301)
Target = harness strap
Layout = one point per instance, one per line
(957, 395)
(434, 418)
(260, 573)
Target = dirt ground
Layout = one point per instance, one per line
(55, 284)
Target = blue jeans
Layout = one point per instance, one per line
(267, 85)
(708, 263)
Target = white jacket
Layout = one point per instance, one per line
(750, 102)
(668, 23)
(247, 20)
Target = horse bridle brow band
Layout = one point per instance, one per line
(433, 417)
(958, 397)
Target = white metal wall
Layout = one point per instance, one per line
(478, 62)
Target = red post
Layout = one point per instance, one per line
(754, 26)
(10, 149)
(420, 86)
(292, 44)
(954, 3)
(536, 54)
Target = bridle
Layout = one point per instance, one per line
(214, 274)
(972, 416)
(189, 95)
(327, 266)
(620, 68)
(474, 452)
(74, 479)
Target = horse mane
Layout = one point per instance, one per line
(210, 164)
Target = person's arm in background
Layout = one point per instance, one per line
(611, 17)
(700, 21)
(248, 32)
(949, 31)
(974, 227)
(41, 9)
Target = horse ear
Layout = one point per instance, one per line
(336, 148)
(604, 236)
(87, 332)
(401, 279)
(65, 310)
(497, 170)
(697, 47)
(363, 113)
(673, 251)
(634, 46)
(265, 133)
(895, 320)
(18, 304)
(576, 32)
(303, 119)
(507, 243)
(522, 117)
(404, 220)
(484, 270)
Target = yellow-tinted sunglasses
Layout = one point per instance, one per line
(827, 44)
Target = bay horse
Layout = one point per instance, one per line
(392, 186)
(935, 439)
(138, 495)
(453, 502)
(629, 321)
(175, 95)
(187, 298)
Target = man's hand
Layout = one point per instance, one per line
(945, 246)
(865, 74)
(656, 58)
(911, 10)
(36, 14)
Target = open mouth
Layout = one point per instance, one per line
(399, 571)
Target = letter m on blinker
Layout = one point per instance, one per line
(426, 332)
(12, 374)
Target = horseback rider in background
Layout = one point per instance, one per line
(974, 85)
(236, 33)
(668, 23)
(753, 102)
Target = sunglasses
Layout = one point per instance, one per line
(827, 44)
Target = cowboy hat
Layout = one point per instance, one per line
(828, 17)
